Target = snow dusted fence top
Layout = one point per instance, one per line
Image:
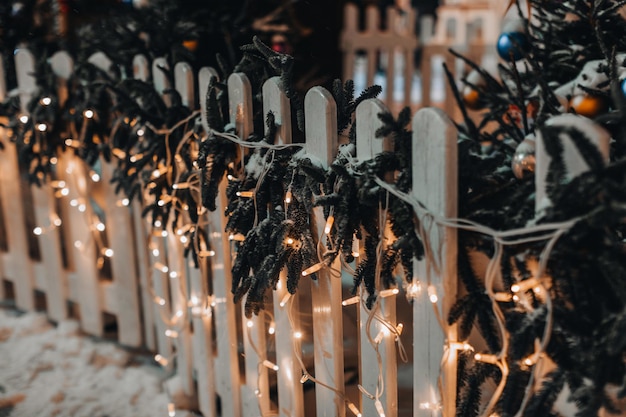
(55, 239)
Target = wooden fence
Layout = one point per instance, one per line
(258, 366)
(388, 56)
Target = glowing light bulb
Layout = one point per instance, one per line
(46, 101)
(171, 333)
(100, 227)
(95, 177)
(173, 274)
(57, 222)
(354, 410)
(65, 191)
(42, 127)
(432, 294)
(272, 328)
(38, 231)
(140, 132)
(250, 324)
(270, 365)
(297, 335)
(82, 207)
(329, 224)
(24, 119)
(88, 113)
(350, 301)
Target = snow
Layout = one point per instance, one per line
(54, 371)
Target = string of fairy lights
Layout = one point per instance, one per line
(200, 305)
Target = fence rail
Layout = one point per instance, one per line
(257, 366)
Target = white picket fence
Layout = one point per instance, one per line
(258, 366)
(386, 57)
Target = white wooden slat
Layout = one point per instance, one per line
(321, 142)
(367, 147)
(24, 71)
(184, 84)
(50, 270)
(372, 19)
(17, 267)
(240, 109)
(119, 230)
(204, 78)
(3, 92)
(348, 34)
(153, 327)
(574, 162)
(227, 362)
(100, 60)
(202, 339)
(161, 289)
(141, 68)
(290, 394)
(140, 244)
(179, 296)
(390, 50)
(80, 242)
(161, 83)
(63, 67)
(183, 80)
(435, 185)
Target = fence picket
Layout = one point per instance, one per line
(367, 147)
(435, 185)
(254, 339)
(321, 142)
(290, 394)
(49, 274)
(224, 310)
(153, 328)
(17, 266)
(184, 84)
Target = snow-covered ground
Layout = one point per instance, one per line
(54, 371)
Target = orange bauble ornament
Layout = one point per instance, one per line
(471, 98)
(191, 44)
(589, 106)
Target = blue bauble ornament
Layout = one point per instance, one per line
(515, 43)
(622, 84)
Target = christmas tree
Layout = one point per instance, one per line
(563, 57)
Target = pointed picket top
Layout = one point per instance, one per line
(141, 68)
(275, 100)
(25, 70)
(367, 147)
(254, 334)
(184, 84)
(100, 60)
(204, 79)
(240, 104)
(372, 18)
(321, 124)
(435, 184)
(290, 391)
(367, 123)
(350, 18)
(574, 162)
(321, 143)
(161, 83)
(62, 64)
